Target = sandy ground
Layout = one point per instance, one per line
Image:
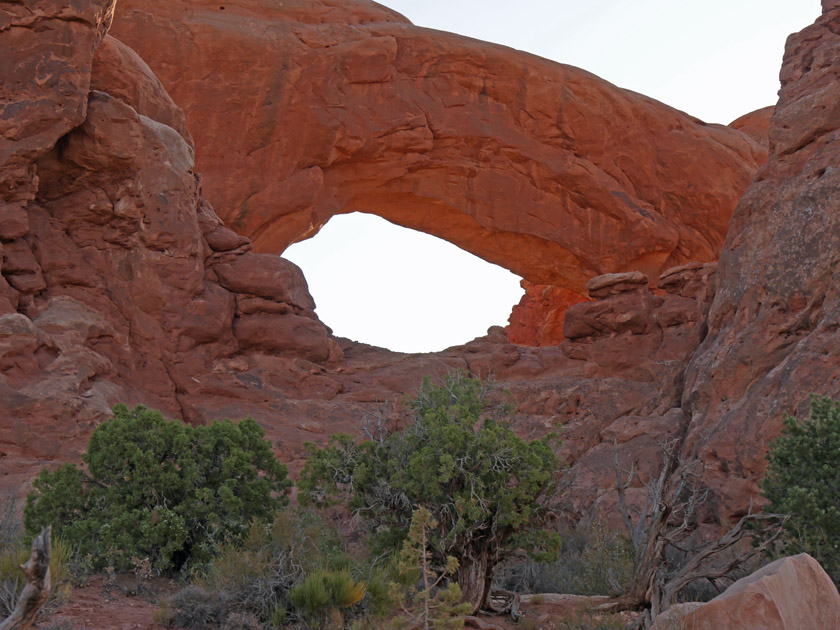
(114, 604)
(104, 604)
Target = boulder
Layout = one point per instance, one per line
(792, 593)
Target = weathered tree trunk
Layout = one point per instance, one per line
(474, 576)
(37, 589)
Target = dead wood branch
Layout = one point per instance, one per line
(667, 520)
(37, 589)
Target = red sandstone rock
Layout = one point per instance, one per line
(317, 108)
(772, 337)
(291, 335)
(132, 288)
(123, 74)
(265, 276)
(538, 318)
(755, 124)
(47, 53)
(109, 290)
(791, 593)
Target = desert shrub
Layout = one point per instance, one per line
(258, 575)
(593, 561)
(803, 481)
(592, 621)
(195, 607)
(459, 459)
(12, 580)
(161, 490)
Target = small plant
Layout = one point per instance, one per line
(165, 491)
(241, 621)
(425, 597)
(258, 575)
(593, 561)
(164, 614)
(323, 593)
(12, 580)
(197, 607)
(142, 569)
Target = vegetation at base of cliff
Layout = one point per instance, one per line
(424, 595)
(485, 487)
(159, 490)
(293, 570)
(803, 481)
(592, 561)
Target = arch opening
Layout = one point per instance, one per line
(382, 284)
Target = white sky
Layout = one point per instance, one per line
(717, 59)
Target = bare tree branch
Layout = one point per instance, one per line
(37, 589)
(667, 520)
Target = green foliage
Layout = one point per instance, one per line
(460, 460)
(161, 490)
(803, 481)
(593, 561)
(322, 593)
(259, 575)
(418, 591)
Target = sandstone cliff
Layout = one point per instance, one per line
(773, 333)
(119, 282)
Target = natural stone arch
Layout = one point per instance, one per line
(328, 107)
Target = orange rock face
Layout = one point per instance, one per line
(118, 282)
(755, 124)
(538, 318)
(305, 109)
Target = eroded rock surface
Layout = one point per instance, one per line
(318, 108)
(773, 326)
(110, 290)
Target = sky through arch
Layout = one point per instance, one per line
(386, 285)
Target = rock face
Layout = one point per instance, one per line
(791, 593)
(121, 284)
(48, 50)
(773, 333)
(755, 124)
(319, 108)
(538, 318)
(118, 281)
